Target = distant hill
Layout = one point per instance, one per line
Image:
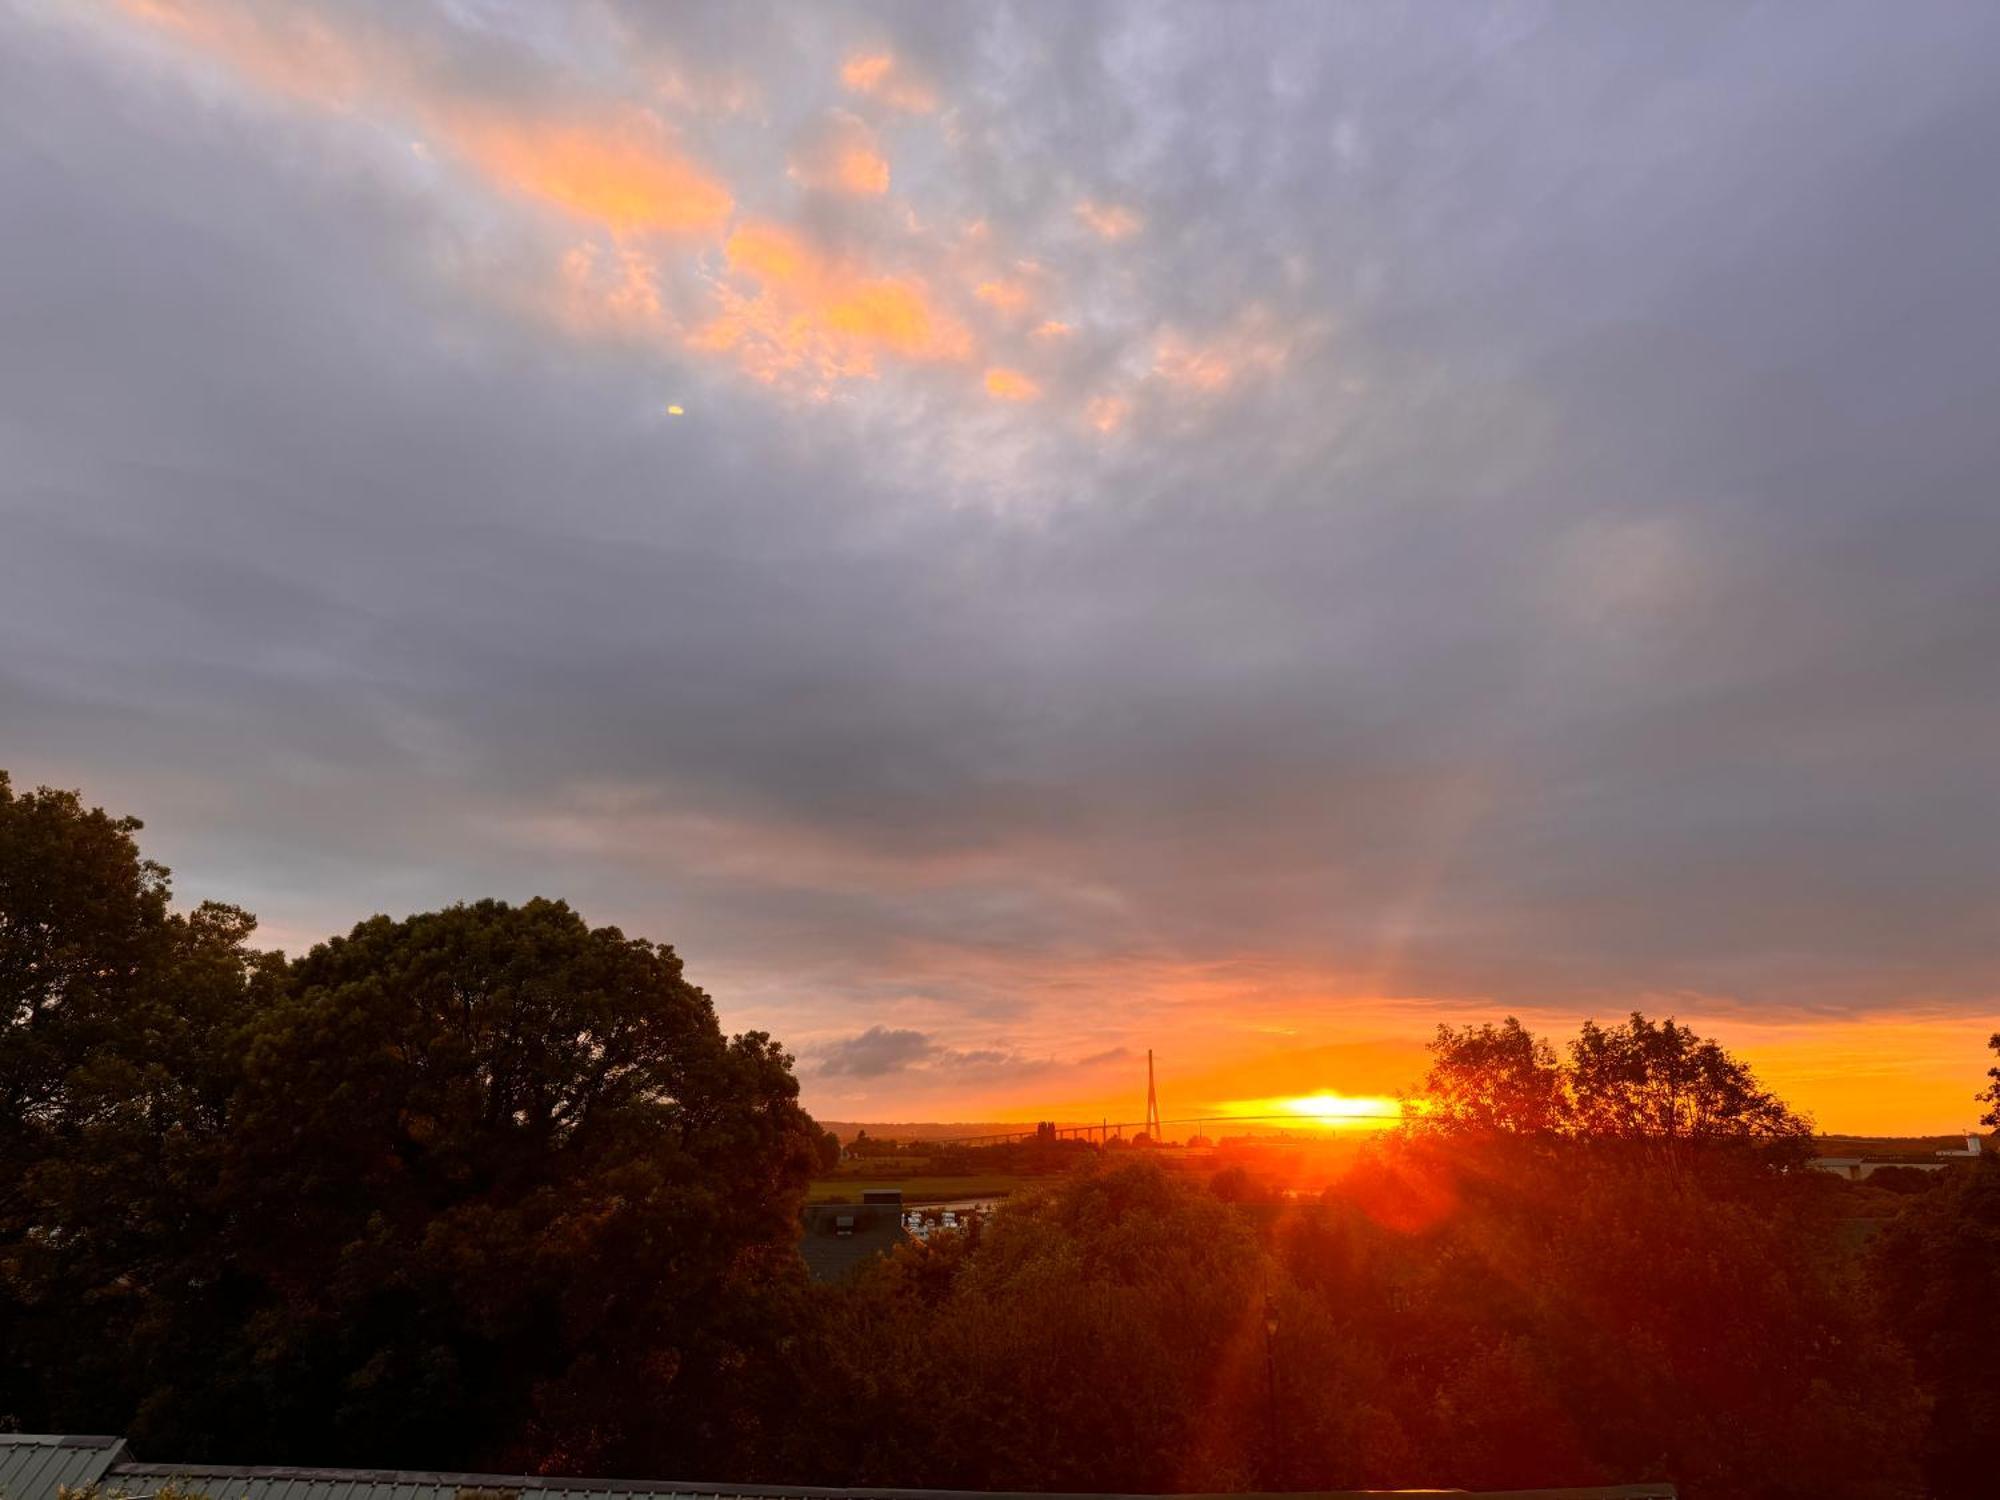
(921, 1130)
(1924, 1146)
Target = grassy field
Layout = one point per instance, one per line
(849, 1187)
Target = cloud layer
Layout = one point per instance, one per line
(1241, 530)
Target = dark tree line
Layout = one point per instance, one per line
(489, 1188)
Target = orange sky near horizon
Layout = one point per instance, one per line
(1890, 1075)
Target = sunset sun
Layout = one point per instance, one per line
(1324, 1107)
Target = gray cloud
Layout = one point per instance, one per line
(876, 1051)
(882, 1050)
(1591, 599)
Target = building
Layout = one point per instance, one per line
(37, 1468)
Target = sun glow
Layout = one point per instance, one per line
(1327, 1107)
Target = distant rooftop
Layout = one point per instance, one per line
(35, 1467)
(837, 1238)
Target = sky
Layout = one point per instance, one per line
(1013, 535)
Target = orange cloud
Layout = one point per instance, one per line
(896, 314)
(842, 156)
(883, 77)
(1251, 346)
(1010, 385)
(790, 311)
(1007, 296)
(627, 179)
(864, 72)
(1109, 220)
(1204, 369)
(624, 175)
(771, 254)
(618, 297)
(863, 172)
(781, 307)
(1053, 329)
(1107, 413)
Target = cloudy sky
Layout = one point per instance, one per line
(1013, 535)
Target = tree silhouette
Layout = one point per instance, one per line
(1493, 1078)
(506, 1166)
(120, 1028)
(1990, 1095)
(1652, 1083)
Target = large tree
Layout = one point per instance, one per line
(1659, 1081)
(121, 1026)
(501, 1171)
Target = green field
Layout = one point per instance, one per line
(850, 1186)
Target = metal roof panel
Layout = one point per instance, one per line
(34, 1467)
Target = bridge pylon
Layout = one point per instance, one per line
(1152, 1104)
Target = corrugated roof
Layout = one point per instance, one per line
(38, 1459)
(34, 1468)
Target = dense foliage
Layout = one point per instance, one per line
(443, 1191)
(1493, 1317)
(490, 1188)
(1938, 1265)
